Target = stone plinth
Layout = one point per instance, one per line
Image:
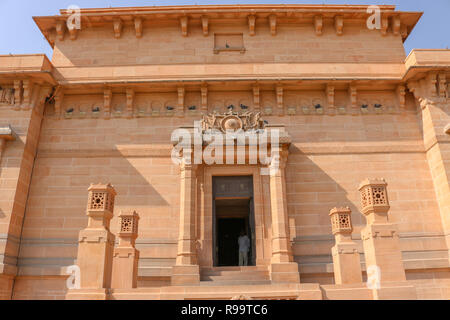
(346, 260)
(96, 242)
(126, 257)
(380, 238)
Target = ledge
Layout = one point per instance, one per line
(36, 66)
(424, 60)
(7, 133)
(222, 72)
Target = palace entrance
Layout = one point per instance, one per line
(233, 212)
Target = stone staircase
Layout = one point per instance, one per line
(219, 276)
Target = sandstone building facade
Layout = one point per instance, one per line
(359, 207)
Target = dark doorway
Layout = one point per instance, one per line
(228, 233)
(233, 213)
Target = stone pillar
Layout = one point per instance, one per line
(186, 271)
(346, 261)
(126, 257)
(96, 245)
(283, 268)
(434, 104)
(380, 238)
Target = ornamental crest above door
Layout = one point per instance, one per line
(233, 121)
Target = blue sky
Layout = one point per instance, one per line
(19, 34)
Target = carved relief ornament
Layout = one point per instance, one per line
(233, 121)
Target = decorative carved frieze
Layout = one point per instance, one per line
(251, 24)
(138, 27)
(318, 24)
(233, 121)
(205, 26)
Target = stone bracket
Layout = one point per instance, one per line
(251, 25)
(318, 24)
(118, 25)
(205, 26)
(184, 26)
(138, 27)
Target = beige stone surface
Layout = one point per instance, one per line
(104, 108)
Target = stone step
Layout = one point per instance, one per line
(235, 283)
(236, 276)
(239, 269)
(226, 272)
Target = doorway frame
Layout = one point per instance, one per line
(250, 219)
(258, 208)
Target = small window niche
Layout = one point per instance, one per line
(228, 42)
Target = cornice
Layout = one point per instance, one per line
(204, 15)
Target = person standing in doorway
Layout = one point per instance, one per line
(244, 247)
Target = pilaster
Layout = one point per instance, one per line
(186, 271)
(283, 268)
(434, 110)
(14, 200)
